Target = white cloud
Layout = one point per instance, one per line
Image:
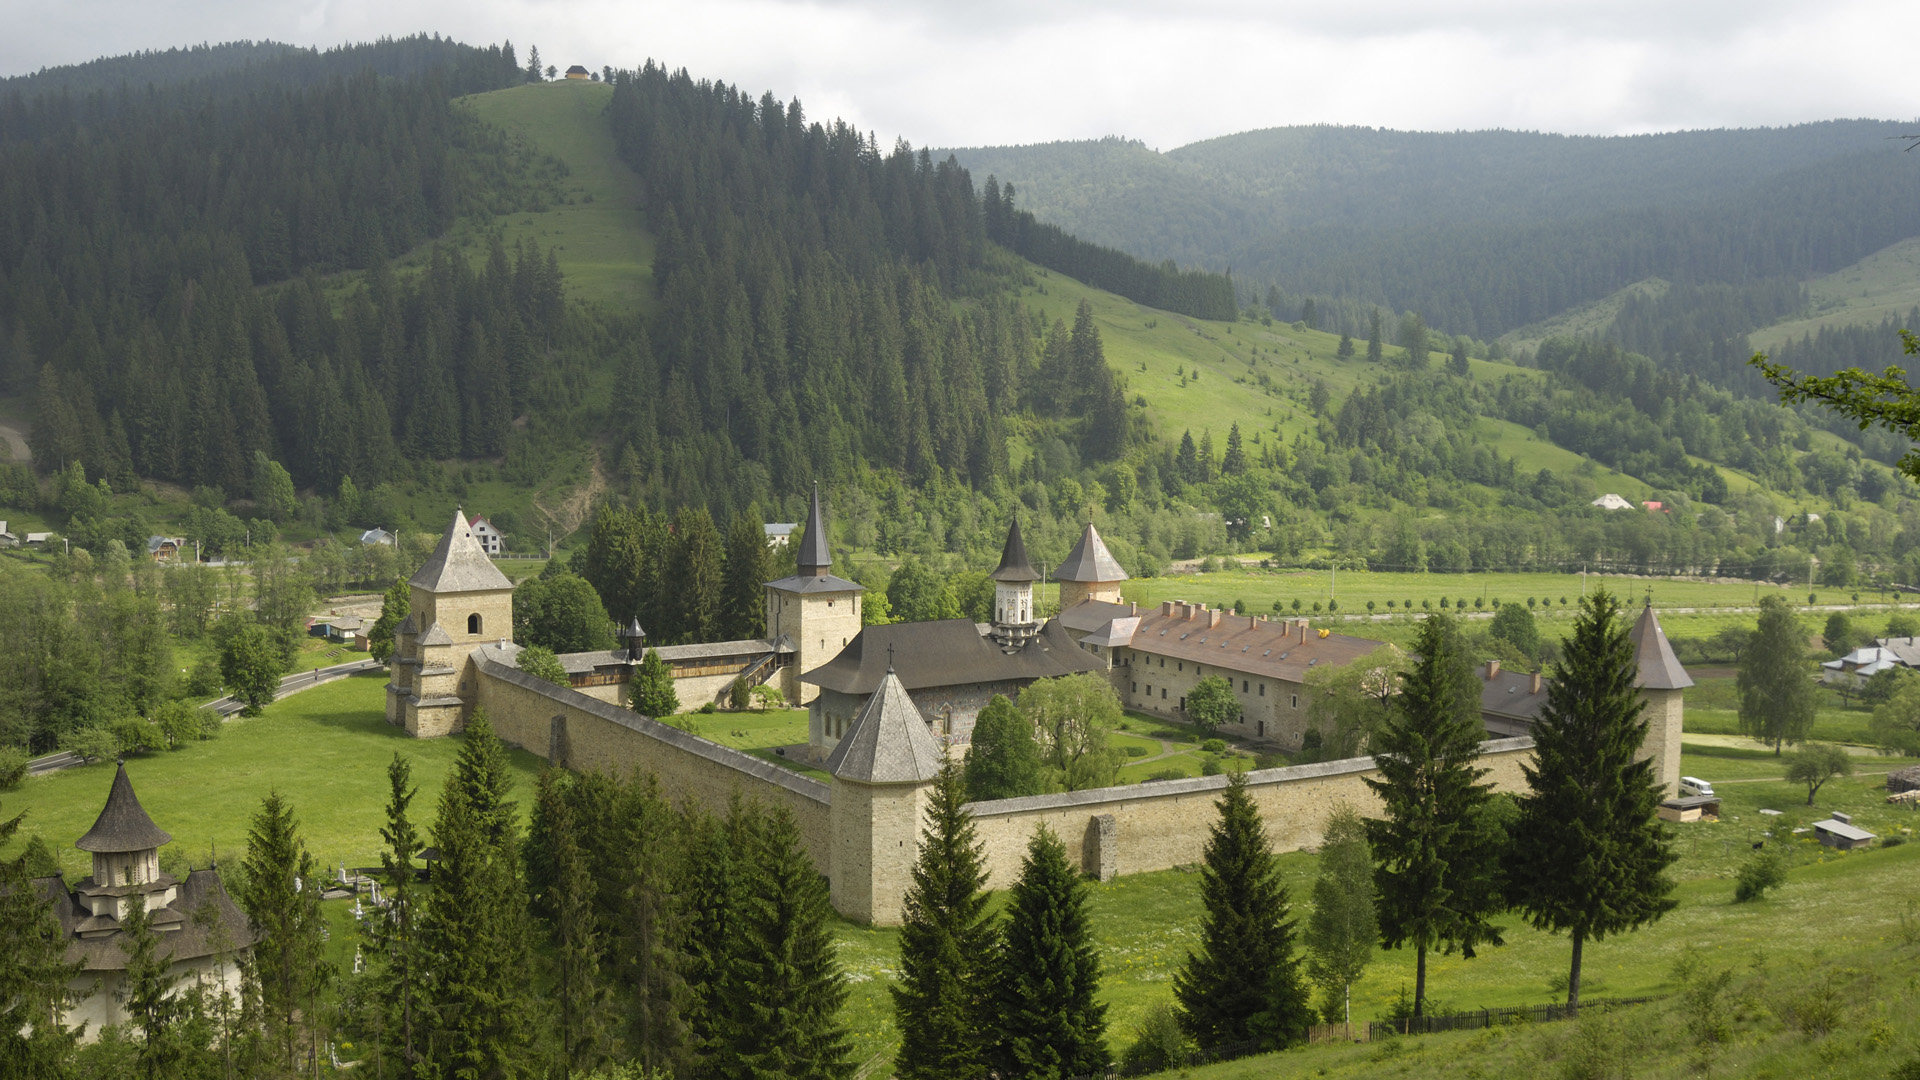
(1001, 71)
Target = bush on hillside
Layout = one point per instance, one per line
(13, 767)
(1158, 1043)
(1760, 873)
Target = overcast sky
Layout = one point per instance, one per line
(949, 73)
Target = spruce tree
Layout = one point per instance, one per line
(1002, 760)
(398, 976)
(154, 1006)
(940, 1003)
(747, 571)
(698, 576)
(1435, 851)
(714, 896)
(1243, 989)
(474, 927)
(786, 965)
(1051, 1024)
(33, 971)
(582, 1005)
(282, 900)
(1589, 853)
(393, 609)
(652, 691)
(1344, 926)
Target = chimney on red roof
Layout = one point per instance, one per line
(1213, 618)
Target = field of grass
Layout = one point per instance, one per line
(598, 232)
(1884, 283)
(1586, 319)
(325, 749)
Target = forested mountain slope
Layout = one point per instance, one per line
(686, 296)
(1482, 232)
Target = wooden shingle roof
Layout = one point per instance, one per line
(123, 824)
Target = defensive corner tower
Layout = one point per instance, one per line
(814, 610)
(1661, 683)
(881, 771)
(458, 601)
(1090, 572)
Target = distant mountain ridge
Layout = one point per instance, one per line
(1483, 231)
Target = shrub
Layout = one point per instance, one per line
(1761, 872)
(137, 735)
(768, 697)
(1136, 751)
(13, 767)
(181, 723)
(1211, 767)
(1214, 746)
(204, 679)
(1165, 774)
(92, 744)
(1158, 1043)
(709, 708)
(739, 693)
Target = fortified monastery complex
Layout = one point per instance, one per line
(888, 703)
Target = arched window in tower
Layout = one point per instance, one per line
(473, 623)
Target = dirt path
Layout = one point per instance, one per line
(14, 439)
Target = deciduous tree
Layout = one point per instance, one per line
(1071, 716)
(1211, 703)
(250, 665)
(1344, 926)
(1776, 692)
(1816, 763)
(393, 609)
(1003, 760)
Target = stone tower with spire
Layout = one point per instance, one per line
(459, 601)
(1090, 572)
(1660, 682)
(1014, 621)
(882, 771)
(815, 611)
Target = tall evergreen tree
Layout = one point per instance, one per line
(1589, 853)
(1375, 350)
(941, 1001)
(474, 928)
(786, 964)
(1776, 696)
(398, 965)
(1051, 1025)
(1435, 851)
(1243, 989)
(747, 572)
(1235, 461)
(33, 972)
(714, 896)
(154, 1004)
(1344, 926)
(282, 899)
(581, 1002)
(698, 576)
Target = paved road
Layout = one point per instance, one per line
(226, 706)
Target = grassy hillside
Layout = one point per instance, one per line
(597, 228)
(1590, 318)
(1884, 283)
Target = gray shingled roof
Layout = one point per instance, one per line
(459, 564)
(209, 922)
(947, 652)
(1014, 565)
(809, 583)
(814, 558)
(1659, 668)
(435, 635)
(889, 742)
(1090, 561)
(123, 824)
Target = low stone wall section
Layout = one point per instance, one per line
(1163, 824)
(585, 734)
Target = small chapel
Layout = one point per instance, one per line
(201, 930)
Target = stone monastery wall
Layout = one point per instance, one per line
(585, 734)
(1163, 824)
(1125, 830)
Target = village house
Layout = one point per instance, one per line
(492, 540)
(165, 548)
(577, 71)
(202, 932)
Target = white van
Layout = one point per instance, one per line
(1693, 785)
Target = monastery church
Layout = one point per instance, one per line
(887, 703)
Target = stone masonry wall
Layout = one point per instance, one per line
(588, 735)
(1164, 824)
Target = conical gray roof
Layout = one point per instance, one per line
(1090, 561)
(1014, 564)
(459, 564)
(814, 559)
(123, 824)
(889, 742)
(1659, 668)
